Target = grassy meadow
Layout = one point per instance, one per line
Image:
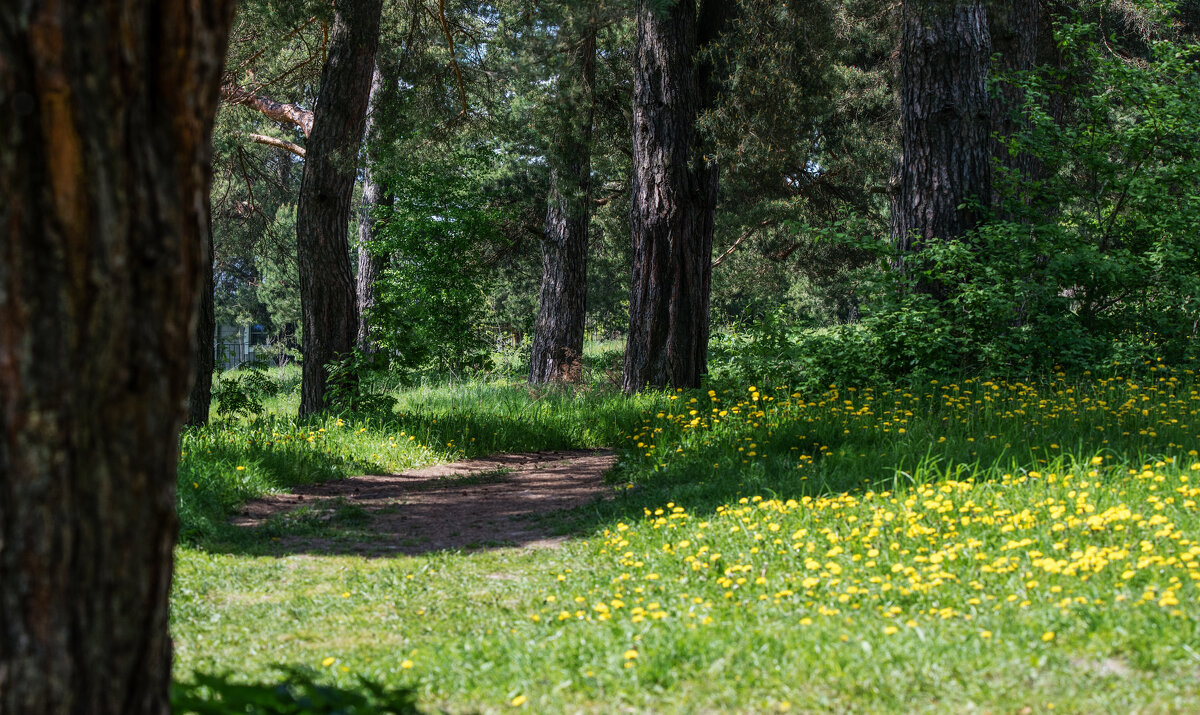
(958, 546)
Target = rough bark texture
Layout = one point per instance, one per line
(370, 265)
(327, 290)
(106, 110)
(558, 334)
(1050, 54)
(674, 197)
(945, 124)
(200, 398)
(1014, 29)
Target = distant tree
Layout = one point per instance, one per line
(327, 290)
(674, 195)
(370, 262)
(272, 73)
(562, 310)
(106, 112)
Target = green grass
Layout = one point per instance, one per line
(963, 547)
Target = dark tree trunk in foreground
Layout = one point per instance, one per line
(945, 124)
(558, 334)
(370, 264)
(200, 398)
(106, 109)
(327, 297)
(674, 196)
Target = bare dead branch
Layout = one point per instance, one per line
(740, 240)
(278, 143)
(280, 112)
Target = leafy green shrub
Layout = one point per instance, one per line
(431, 297)
(914, 335)
(1092, 258)
(1103, 248)
(511, 362)
(773, 351)
(353, 386)
(241, 392)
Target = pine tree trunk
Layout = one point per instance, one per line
(370, 264)
(674, 198)
(200, 398)
(945, 125)
(327, 288)
(558, 334)
(1013, 27)
(106, 111)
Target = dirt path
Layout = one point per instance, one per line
(476, 503)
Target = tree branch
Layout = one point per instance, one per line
(282, 113)
(279, 143)
(740, 240)
(288, 36)
(462, 91)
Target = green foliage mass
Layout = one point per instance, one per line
(1098, 256)
(437, 235)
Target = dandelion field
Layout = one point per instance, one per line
(980, 545)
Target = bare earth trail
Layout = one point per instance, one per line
(485, 502)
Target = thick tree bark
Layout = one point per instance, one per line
(327, 290)
(945, 125)
(200, 398)
(558, 334)
(674, 197)
(106, 111)
(370, 264)
(1014, 29)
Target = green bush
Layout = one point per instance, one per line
(241, 392)
(773, 351)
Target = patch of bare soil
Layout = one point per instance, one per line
(477, 503)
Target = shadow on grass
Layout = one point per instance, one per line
(297, 693)
(226, 465)
(494, 502)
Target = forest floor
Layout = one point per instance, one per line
(973, 546)
(486, 502)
